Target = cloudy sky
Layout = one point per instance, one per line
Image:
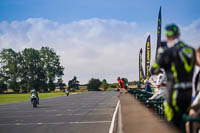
(95, 38)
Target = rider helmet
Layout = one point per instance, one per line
(172, 30)
(33, 90)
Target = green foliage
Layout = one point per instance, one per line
(114, 85)
(104, 84)
(94, 85)
(61, 84)
(10, 62)
(3, 87)
(73, 84)
(134, 83)
(51, 66)
(30, 69)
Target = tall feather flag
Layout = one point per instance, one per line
(158, 32)
(147, 58)
(141, 72)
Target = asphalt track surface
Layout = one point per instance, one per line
(89, 112)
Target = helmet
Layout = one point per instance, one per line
(172, 30)
(118, 78)
(33, 90)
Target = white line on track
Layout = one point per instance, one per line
(90, 122)
(120, 120)
(8, 108)
(100, 109)
(113, 118)
(24, 111)
(57, 115)
(55, 123)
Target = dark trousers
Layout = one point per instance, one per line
(183, 102)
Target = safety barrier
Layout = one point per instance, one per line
(157, 107)
(191, 121)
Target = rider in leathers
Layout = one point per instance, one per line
(178, 62)
(34, 92)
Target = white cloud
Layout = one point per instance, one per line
(101, 48)
(191, 34)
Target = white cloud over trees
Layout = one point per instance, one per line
(100, 48)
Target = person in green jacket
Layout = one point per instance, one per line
(178, 61)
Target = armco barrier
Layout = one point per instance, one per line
(143, 96)
(157, 106)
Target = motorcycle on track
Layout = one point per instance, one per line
(34, 100)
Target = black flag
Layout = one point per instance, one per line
(158, 33)
(147, 58)
(141, 72)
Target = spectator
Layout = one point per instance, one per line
(195, 107)
(178, 62)
(147, 86)
(121, 86)
(161, 85)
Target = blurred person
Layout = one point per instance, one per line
(125, 81)
(195, 107)
(34, 92)
(121, 86)
(147, 86)
(161, 86)
(196, 74)
(67, 91)
(178, 61)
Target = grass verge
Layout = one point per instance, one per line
(10, 98)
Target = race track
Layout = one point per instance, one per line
(89, 112)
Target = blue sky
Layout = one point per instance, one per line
(63, 11)
(95, 38)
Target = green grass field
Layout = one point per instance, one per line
(10, 98)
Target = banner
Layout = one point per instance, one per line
(158, 33)
(141, 72)
(147, 58)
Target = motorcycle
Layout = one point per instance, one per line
(67, 92)
(34, 100)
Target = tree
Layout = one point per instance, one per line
(94, 85)
(32, 72)
(114, 85)
(10, 68)
(61, 84)
(51, 66)
(104, 84)
(74, 84)
(3, 86)
(133, 82)
(30, 69)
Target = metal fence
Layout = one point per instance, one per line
(156, 106)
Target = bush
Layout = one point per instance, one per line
(104, 84)
(94, 85)
(113, 85)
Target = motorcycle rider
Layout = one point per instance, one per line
(34, 92)
(178, 62)
(161, 85)
(67, 91)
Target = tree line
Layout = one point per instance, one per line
(30, 69)
(95, 85)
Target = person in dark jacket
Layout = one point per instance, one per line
(178, 61)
